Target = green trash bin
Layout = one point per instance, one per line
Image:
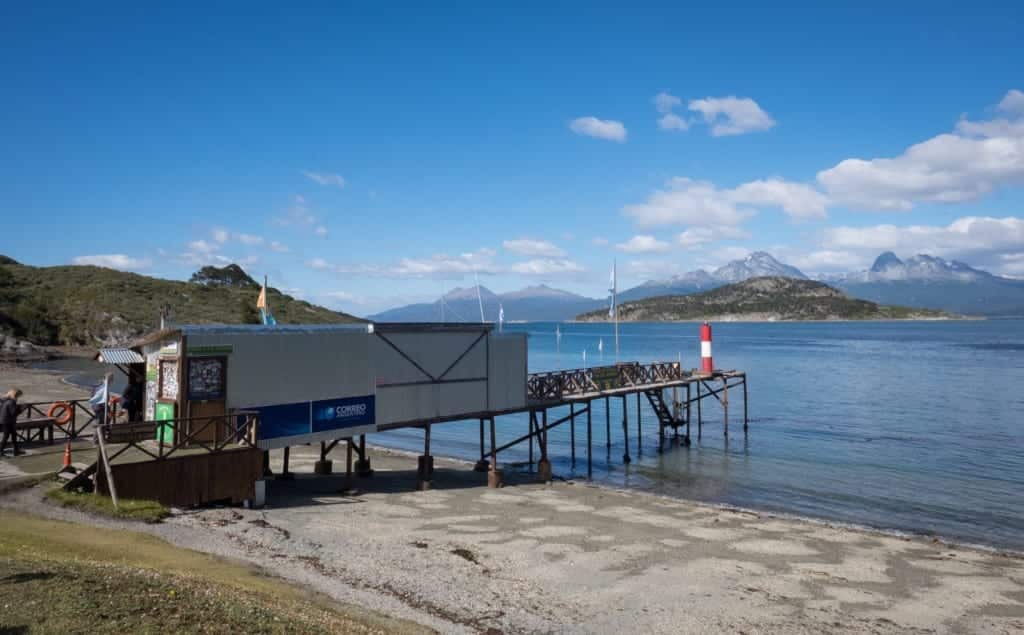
(164, 432)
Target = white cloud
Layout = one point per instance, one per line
(643, 244)
(964, 165)
(687, 202)
(437, 266)
(1012, 102)
(202, 247)
(547, 267)
(297, 214)
(672, 121)
(250, 239)
(600, 128)
(326, 178)
(320, 231)
(114, 261)
(963, 238)
(697, 236)
(702, 204)
(279, 247)
(665, 102)
(732, 115)
(221, 235)
(529, 247)
(796, 199)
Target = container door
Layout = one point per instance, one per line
(207, 398)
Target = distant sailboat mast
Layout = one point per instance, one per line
(613, 310)
(479, 298)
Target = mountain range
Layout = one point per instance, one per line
(536, 303)
(763, 298)
(920, 281)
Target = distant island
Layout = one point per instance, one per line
(771, 298)
(83, 305)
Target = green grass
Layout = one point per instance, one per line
(59, 577)
(129, 509)
(81, 305)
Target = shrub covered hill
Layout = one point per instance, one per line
(761, 299)
(86, 305)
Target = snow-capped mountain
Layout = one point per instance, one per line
(888, 267)
(934, 283)
(755, 265)
(535, 303)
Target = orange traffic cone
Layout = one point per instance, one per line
(66, 464)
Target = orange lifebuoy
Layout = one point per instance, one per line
(66, 410)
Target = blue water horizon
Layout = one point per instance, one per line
(910, 426)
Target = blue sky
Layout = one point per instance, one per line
(367, 156)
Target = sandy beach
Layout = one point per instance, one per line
(573, 557)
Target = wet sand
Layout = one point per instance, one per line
(571, 557)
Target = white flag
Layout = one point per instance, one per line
(600, 345)
(558, 334)
(612, 291)
(501, 314)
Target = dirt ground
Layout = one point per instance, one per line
(572, 557)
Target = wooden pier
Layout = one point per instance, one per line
(183, 470)
(674, 394)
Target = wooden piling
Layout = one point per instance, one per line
(607, 423)
(590, 453)
(725, 404)
(572, 433)
(744, 403)
(639, 430)
(625, 431)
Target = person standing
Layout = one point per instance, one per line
(131, 399)
(9, 412)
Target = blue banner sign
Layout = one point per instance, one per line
(305, 417)
(336, 414)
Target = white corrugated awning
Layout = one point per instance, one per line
(119, 356)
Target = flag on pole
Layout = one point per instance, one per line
(600, 345)
(612, 291)
(501, 318)
(261, 304)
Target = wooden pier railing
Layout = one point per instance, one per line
(564, 383)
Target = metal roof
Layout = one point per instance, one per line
(119, 356)
(260, 329)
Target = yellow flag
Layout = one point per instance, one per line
(261, 302)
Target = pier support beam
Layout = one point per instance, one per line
(543, 465)
(590, 444)
(639, 429)
(347, 487)
(494, 474)
(572, 434)
(725, 404)
(425, 467)
(744, 404)
(700, 417)
(285, 475)
(607, 423)
(687, 414)
(625, 432)
(363, 468)
(483, 464)
(325, 465)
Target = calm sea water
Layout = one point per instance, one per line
(912, 426)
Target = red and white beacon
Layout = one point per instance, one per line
(707, 365)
